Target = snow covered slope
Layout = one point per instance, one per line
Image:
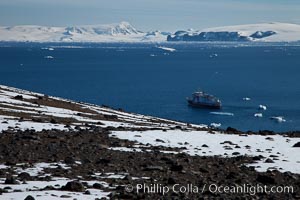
(122, 32)
(21, 110)
(265, 32)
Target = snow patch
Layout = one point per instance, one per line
(253, 145)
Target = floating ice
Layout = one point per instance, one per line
(46, 48)
(222, 113)
(262, 107)
(278, 119)
(258, 115)
(213, 55)
(246, 99)
(167, 48)
(215, 125)
(49, 57)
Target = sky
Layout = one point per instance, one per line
(145, 15)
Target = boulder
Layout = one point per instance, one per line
(74, 186)
(29, 197)
(297, 144)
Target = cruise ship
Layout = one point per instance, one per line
(202, 99)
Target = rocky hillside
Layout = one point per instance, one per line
(53, 148)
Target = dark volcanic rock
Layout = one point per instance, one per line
(98, 186)
(65, 196)
(269, 160)
(260, 157)
(24, 176)
(230, 129)
(18, 97)
(265, 179)
(171, 181)
(176, 167)
(74, 186)
(159, 140)
(53, 121)
(11, 180)
(269, 138)
(29, 197)
(297, 144)
(69, 160)
(266, 132)
(154, 168)
(103, 161)
(87, 192)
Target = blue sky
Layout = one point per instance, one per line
(148, 14)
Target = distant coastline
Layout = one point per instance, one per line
(125, 32)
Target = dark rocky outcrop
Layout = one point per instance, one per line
(297, 144)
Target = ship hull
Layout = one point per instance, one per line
(203, 105)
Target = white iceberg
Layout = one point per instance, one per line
(258, 115)
(278, 119)
(246, 98)
(167, 48)
(215, 125)
(262, 107)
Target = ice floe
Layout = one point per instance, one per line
(246, 98)
(49, 57)
(262, 107)
(258, 115)
(278, 119)
(167, 48)
(222, 113)
(215, 125)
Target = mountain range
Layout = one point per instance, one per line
(125, 32)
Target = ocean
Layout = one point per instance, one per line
(142, 78)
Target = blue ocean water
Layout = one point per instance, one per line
(144, 79)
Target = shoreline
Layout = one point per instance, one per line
(43, 97)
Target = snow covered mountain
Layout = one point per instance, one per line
(120, 32)
(125, 32)
(266, 32)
